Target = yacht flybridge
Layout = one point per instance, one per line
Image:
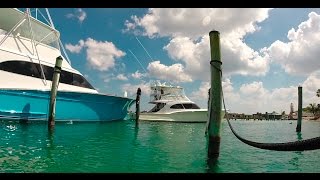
(171, 104)
(28, 50)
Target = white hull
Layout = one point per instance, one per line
(172, 105)
(47, 56)
(28, 52)
(200, 116)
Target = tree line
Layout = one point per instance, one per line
(314, 108)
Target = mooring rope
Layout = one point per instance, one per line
(302, 145)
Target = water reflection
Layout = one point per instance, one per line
(25, 113)
(50, 143)
(212, 162)
(295, 161)
(212, 165)
(299, 136)
(151, 147)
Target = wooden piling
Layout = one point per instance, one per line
(54, 89)
(299, 121)
(138, 105)
(215, 97)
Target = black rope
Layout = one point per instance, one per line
(303, 145)
(213, 65)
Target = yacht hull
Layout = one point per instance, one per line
(31, 105)
(200, 116)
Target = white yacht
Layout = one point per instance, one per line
(171, 104)
(28, 51)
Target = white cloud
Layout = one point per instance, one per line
(111, 76)
(310, 87)
(249, 98)
(137, 75)
(253, 90)
(121, 77)
(131, 89)
(100, 55)
(254, 97)
(200, 96)
(189, 47)
(201, 93)
(79, 14)
(196, 22)
(174, 72)
(237, 57)
(107, 77)
(75, 48)
(300, 54)
(189, 29)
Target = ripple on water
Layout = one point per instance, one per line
(152, 147)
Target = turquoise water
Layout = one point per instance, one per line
(155, 147)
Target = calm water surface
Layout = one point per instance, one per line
(152, 147)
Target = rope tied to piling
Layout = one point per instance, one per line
(301, 145)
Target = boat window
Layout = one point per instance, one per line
(190, 106)
(66, 77)
(177, 106)
(157, 107)
(33, 70)
(48, 71)
(21, 67)
(78, 80)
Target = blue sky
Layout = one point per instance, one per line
(266, 53)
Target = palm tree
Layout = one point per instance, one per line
(318, 92)
(313, 108)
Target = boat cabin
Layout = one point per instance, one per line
(174, 106)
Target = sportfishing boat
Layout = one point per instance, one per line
(28, 51)
(171, 104)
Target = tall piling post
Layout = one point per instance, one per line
(215, 97)
(54, 89)
(138, 105)
(299, 121)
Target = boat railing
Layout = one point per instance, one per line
(38, 32)
(169, 97)
(166, 92)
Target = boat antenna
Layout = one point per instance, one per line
(43, 16)
(151, 59)
(51, 23)
(59, 43)
(144, 48)
(64, 51)
(138, 61)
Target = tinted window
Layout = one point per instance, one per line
(21, 67)
(66, 77)
(190, 106)
(157, 107)
(78, 80)
(33, 70)
(177, 106)
(48, 71)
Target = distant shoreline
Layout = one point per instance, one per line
(312, 119)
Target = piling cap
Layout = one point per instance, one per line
(213, 31)
(59, 61)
